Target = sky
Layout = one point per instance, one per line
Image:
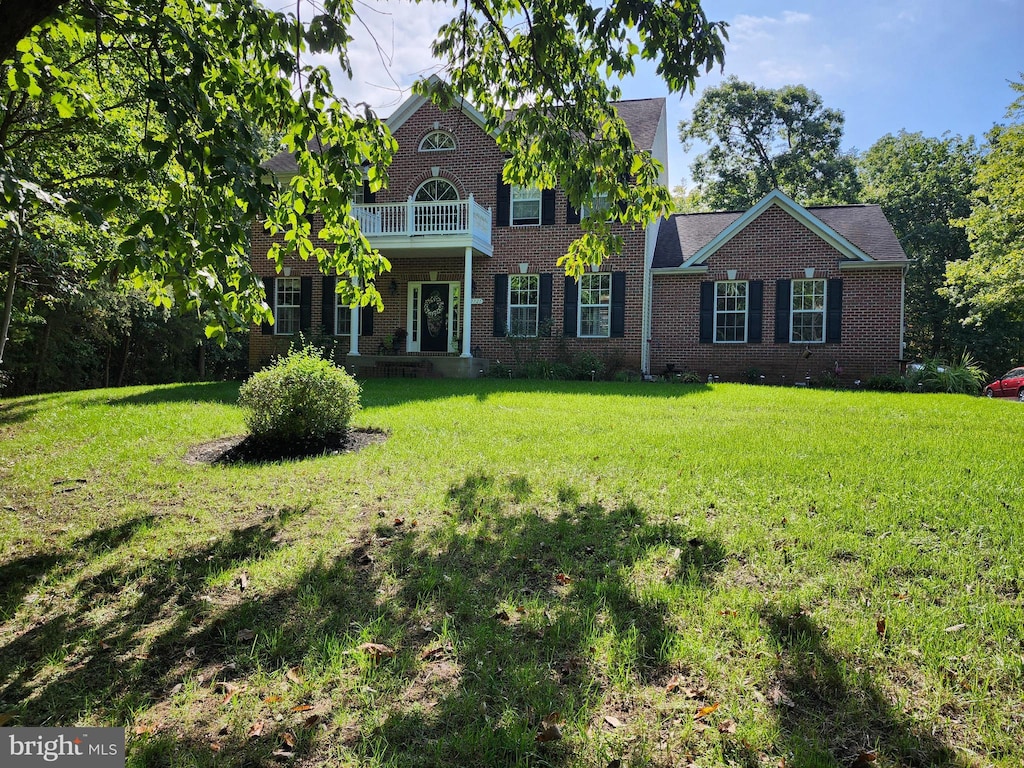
(933, 66)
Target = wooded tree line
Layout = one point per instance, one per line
(957, 208)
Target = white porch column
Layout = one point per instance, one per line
(467, 304)
(353, 339)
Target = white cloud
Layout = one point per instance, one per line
(747, 28)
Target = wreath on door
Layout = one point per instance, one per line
(434, 308)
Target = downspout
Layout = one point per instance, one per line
(903, 316)
(645, 324)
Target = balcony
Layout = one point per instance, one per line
(412, 228)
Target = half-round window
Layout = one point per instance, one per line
(437, 141)
(436, 190)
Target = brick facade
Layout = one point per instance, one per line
(773, 246)
(777, 247)
(473, 168)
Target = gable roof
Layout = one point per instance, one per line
(641, 116)
(860, 233)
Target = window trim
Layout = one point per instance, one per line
(535, 307)
(438, 132)
(580, 306)
(436, 180)
(793, 311)
(340, 311)
(279, 283)
(745, 313)
(515, 190)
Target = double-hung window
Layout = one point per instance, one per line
(807, 311)
(523, 305)
(525, 205)
(595, 304)
(599, 204)
(286, 304)
(731, 312)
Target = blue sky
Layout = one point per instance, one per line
(921, 65)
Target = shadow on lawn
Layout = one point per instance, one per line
(224, 392)
(497, 617)
(825, 721)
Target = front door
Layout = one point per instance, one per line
(434, 317)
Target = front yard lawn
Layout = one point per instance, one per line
(523, 573)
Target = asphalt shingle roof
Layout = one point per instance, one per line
(681, 235)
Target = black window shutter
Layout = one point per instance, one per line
(268, 285)
(504, 193)
(544, 309)
(368, 196)
(306, 303)
(571, 308)
(707, 312)
(834, 318)
(782, 294)
(572, 215)
(755, 310)
(366, 320)
(500, 305)
(547, 207)
(327, 313)
(618, 325)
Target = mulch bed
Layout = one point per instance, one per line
(243, 449)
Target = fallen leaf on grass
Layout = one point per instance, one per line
(563, 579)
(243, 582)
(614, 722)
(399, 521)
(727, 726)
(245, 635)
(229, 690)
(864, 759)
(215, 746)
(376, 651)
(302, 708)
(310, 721)
(104, 646)
(293, 675)
(955, 628)
(272, 699)
(880, 628)
(430, 653)
(777, 696)
(703, 712)
(289, 739)
(256, 730)
(728, 612)
(549, 730)
(190, 653)
(144, 729)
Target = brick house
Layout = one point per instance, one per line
(474, 277)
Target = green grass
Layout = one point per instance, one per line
(623, 555)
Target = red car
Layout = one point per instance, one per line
(1010, 384)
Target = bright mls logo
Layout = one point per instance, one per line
(78, 747)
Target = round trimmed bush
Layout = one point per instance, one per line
(302, 398)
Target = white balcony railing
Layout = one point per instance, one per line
(454, 217)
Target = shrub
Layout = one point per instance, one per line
(886, 382)
(587, 365)
(302, 398)
(964, 376)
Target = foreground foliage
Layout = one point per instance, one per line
(700, 576)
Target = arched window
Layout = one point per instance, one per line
(438, 209)
(436, 190)
(437, 141)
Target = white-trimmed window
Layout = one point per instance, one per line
(525, 205)
(595, 305)
(437, 141)
(287, 300)
(731, 311)
(598, 204)
(523, 305)
(807, 313)
(342, 317)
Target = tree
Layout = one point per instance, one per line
(760, 139)
(991, 282)
(924, 185)
(216, 76)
